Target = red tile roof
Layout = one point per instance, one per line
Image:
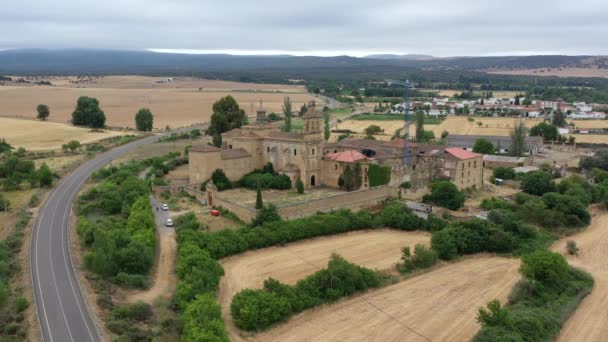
(398, 143)
(461, 153)
(346, 156)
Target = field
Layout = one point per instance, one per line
(560, 72)
(379, 249)
(18, 200)
(41, 136)
(588, 323)
(179, 103)
(440, 305)
(389, 127)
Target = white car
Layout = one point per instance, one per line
(164, 207)
(169, 223)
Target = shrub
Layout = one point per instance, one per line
(139, 311)
(378, 175)
(571, 247)
(5, 204)
(504, 173)
(399, 216)
(220, 180)
(300, 186)
(537, 183)
(423, 257)
(259, 309)
(445, 194)
(21, 304)
(483, 146)
(548, 268)
(203, 321)
(268, 213)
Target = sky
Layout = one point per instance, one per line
(313, 27)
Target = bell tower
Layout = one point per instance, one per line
(313, 121)
(260, 117)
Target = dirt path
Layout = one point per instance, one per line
(164, 278)
(438, 306)
(590, 320)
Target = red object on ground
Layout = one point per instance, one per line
(215, 212)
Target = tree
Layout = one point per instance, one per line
(598, 161)
(444, 134)
(5, 204)
(227, 115)
(300, 186)
(220, 180)
(287, 112)
(4, 146)
(548, 268)
(549, 132)
(444, 193)
(518, 139)
(72, 145)
(88, 113)
(373, 129)
(326, 130)
(268, 213)
(483, 146)
(259, 204)
(517, 100)
(43, 112)
(495, 315)
(45, 175)
(144, 120)
(419, 125)
(537, 183)
(559, 119)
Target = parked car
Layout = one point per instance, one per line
(164, 207)
(169, 223)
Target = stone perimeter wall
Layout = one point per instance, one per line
(352, 200)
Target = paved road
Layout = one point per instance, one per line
(62, 313)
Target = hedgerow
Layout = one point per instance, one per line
(259, 309)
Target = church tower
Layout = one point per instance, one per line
(313, 123)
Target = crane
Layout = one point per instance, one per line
(407, 158)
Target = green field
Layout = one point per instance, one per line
(392, 117)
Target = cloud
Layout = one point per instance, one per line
(438, 27)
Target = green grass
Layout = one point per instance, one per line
(340, 111)
(391, 117)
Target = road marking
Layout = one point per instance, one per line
(46, 319)
(65, 225)
(53, 273)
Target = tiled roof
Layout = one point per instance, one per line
(235, 153)
(204, 148)
(240, 133)
(461, 154)
(346, 156)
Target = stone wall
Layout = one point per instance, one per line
(351, 200)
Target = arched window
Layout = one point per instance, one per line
(312, 180)
(295, 152)
(267, 148)
(313, 151)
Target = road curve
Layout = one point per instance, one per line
(60, 306)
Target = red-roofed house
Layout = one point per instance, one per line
(464, 168)
(346, 156)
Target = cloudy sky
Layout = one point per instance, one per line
(312, 27)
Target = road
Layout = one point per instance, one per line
(62, 312)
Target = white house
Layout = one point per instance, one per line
(533, 114)
(591, 115)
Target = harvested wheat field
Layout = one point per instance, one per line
(389, 126)
(590, 320)
(375, 249)
(41, 136)
(591, 138)
(559, 72)
(489, 126)
(182, 102)
(438, 306)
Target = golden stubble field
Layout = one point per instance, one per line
(440, 304)
(178, 103)
(41, 136)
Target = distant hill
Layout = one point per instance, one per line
(266, 68)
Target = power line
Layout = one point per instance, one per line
(396, 320)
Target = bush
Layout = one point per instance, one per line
(220, 180)
(21, 304)
(571, 247)
(137, 281)
(423, 257)
(548, 268)
(259, 309)
(300, 186)
(268, 213)
(266, 178)
(504, 173)
(378, 175)
(203, 321)
(396, 215)
(483, 146)
(445, 194)
(139, 311)
(5, 204)
(537, 183)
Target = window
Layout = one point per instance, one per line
(469, 164)
(267, 148)
(230, 147)
(295, 152)
(336, 166)
(475, 164)
(313, 151)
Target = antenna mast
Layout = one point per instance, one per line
(406, 129)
